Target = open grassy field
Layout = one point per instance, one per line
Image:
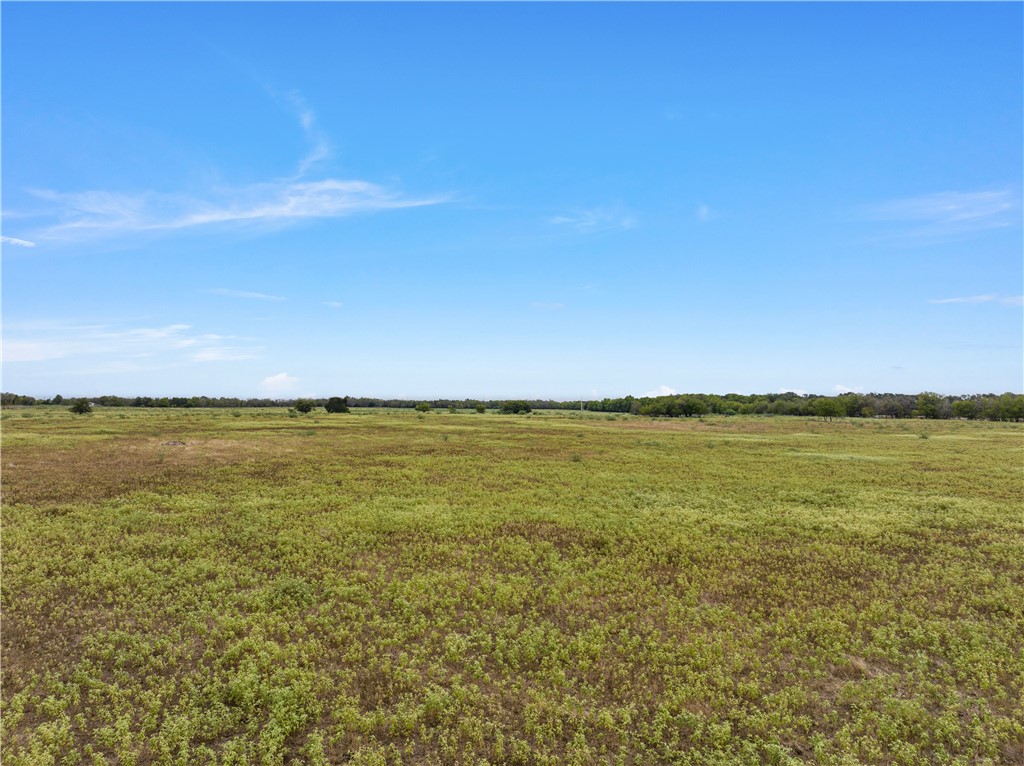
(388, 588)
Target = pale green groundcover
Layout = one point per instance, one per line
(387, 588)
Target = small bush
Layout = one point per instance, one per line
(81, 407)
(423, 407)
(514, 407)
(337, 404)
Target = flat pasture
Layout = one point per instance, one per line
(386, 587)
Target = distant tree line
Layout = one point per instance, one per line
(1006, 406)
(9, 399)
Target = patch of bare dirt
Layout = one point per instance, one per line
(91, 471)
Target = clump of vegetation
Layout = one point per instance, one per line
(480, 408)
(827, 408)
(337, 405)
(304, 406)
(81, 407)
(423, 407)
(514, 407)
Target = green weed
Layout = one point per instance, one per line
(378, 590)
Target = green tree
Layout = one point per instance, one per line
(514, 407)
(655, 408)
(337, 404)
(852, 405)
(828, 407)
(1013, 406)
(929, 405)
(81, 407)
(58, 399)
(481, 408)
(1008, 406)
(965, 408)
(423, 407)
(304, 405)
(692, 405)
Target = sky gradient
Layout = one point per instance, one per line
(511, 200)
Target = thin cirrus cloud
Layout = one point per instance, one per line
(949, 213)
(230, 293)
(17, 242)
(283, 201)
(99, 213)
(174, 343)
(225, 354)
(1008, 300)
(595, 220)
(319, 145)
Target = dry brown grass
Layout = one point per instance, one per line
(93, 471)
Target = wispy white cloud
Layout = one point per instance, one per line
(16, 241)
(949, 213)
(1009, 300)
(105, 213)
(225, 354)
(705, 213)
(42, 341)
(797, 391)
(244, 294)
(661, 390)
(839, 388)
(154, 333)
(280, 383)
(119, 367)
(17, 350)
(334, 304)
(595, 220)
(200, 339)
(319, 146)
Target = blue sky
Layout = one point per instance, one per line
(498, 200)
